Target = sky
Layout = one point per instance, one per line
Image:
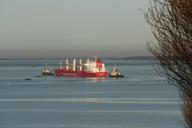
(73, 28)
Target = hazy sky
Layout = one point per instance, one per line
(60, 28)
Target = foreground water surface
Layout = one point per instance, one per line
(140, 100)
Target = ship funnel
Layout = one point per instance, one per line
(67, 64)
(80, 63)
(74, 64)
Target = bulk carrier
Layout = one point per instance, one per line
(82, 68)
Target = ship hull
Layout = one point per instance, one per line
(63, 72)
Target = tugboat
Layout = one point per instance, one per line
(83, 69)
(116, 73)
(47, 71)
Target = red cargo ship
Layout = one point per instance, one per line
(89, 69)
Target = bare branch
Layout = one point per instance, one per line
(171, 22)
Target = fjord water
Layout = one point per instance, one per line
(140, 100)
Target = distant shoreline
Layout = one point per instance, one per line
(109, 58)
(134, 58)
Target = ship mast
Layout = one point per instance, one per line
(60, 65)
(88, 64)
(80, 65)
(67, 64)
(96, 56)
(74, 64)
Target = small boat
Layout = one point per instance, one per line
(47, 71)
(116, 73)
(27, 78)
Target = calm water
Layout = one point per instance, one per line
(141, 100)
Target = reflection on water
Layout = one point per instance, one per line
(91, 79)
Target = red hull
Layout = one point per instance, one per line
(64, 72)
